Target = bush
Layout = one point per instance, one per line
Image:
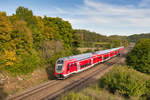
(75, 51)
(76, 96)
(125, 81)
(25, 64)
(139, 57)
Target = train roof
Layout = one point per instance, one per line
(77, 57)
(102, 52)
(107, 51)
(87, 55)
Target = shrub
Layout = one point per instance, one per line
(139, 57)
(76, 96)
(75, 51)
(125, 81)
(25, 64)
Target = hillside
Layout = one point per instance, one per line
(136, 37)
(120, 83)
(28, 41)
(128, 81)
(30, 46)
(93, 39)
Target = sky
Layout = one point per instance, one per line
(107, 17)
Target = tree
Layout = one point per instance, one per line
(24, 14)
(5, 31)
(139, 57)
(22, 37)
(7, 52)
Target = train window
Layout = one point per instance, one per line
(82, 66)
(85, 65)
(75, 64)
(100, 57)
(60, 62)
(94, 58)
(105, 57)
(72, 65)
(59, 68)
(68, 67)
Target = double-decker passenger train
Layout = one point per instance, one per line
(73, 64)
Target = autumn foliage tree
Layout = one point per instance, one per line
(28, 41)
(139, 57)
(7, 52)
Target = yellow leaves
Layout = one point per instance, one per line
(10, 57)
(5, 24)
(9, 63)
(49, 32)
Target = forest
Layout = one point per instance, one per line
(93, 39)
(128, 81)
(137, 37)
(28, 41)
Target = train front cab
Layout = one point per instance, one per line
(59, 69)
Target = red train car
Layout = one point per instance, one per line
(74, 64)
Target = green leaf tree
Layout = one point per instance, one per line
(139, 57)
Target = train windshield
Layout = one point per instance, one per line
(59, 67)
(60, 62)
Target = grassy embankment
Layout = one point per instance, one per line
(121, 83)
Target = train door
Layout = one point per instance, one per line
(75, 66)
(94, 60)
(99, 58)
(68, 68)
(72, 67)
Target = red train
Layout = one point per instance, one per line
(77, 63)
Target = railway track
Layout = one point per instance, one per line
(56, 88)
(33, 90)
(74, 86)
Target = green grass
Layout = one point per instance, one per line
(121, 83)
(94, 94)
(127, 82)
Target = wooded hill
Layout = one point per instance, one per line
(137, 37)
(28, 41)
(93, 39)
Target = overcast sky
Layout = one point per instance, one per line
(108, 17)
